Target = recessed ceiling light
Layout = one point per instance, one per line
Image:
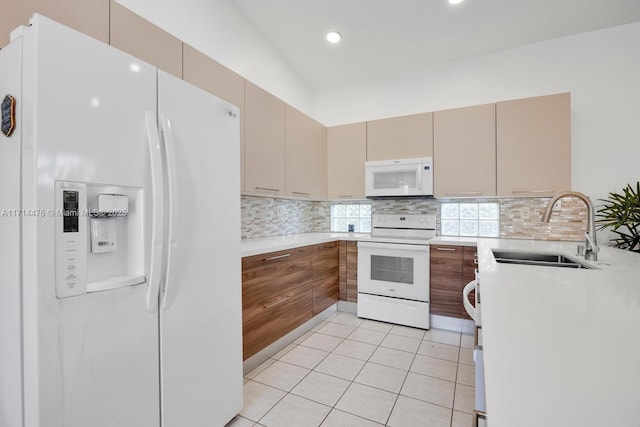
(333, 37)
(455, 1)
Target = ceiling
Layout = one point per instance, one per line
(386, 38)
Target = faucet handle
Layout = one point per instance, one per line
(591, 242)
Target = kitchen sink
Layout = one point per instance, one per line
(546, 259)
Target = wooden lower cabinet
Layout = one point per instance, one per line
(282, 290)
(325, 276)
(265, 323)
(348, 271)
(448, 271)
(277, 296)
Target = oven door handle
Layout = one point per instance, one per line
(398, 246)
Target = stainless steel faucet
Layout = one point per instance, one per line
(591, 242)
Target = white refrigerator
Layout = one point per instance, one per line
(120, 265)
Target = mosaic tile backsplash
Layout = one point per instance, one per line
(519, 217)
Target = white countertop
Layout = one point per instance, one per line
(561, 345)
(263, 245)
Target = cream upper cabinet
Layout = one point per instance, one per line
(139, 37)
(400, 137)
(90, 17)
(464, 152)
(264, 138)
(202, 71)
(346, 154)
(306, 156)
(534, 146)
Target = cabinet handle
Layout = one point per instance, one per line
(532, 191)
(446, 249)
(301, 193)
(466, 193)
(273, 304)
(345, 196)
(276, 257)
(475, 261)
(268, 189)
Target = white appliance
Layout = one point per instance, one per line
(120, 302)
(474, 311)
(393, 269)
(392, 178)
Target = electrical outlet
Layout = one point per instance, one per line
(524, 212)
(279, 211)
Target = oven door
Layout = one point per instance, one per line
(394, 270)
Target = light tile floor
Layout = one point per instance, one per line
(352, 372)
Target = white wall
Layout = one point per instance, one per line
(601, 69)
(216, 28)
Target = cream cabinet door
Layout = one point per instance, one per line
(464, 152)
(90, 17)
(346, 154)
(139, 37)
(306, 156)
(264, 140)
(534, 146)
(402, 137)
(202, 71)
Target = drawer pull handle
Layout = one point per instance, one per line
(268, 189)
(466, 193)
(273, 258)
(345, 196)
(446, 249)
(301, 193)
(475, 261)
(273, 304)
(532, 191)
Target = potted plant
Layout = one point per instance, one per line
(621, 213)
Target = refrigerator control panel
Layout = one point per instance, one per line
(71, 239)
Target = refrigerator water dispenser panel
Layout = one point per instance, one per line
(70, 239)
(99, 238)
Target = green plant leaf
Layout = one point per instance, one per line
(621, 213)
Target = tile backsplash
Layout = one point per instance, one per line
(520, 218)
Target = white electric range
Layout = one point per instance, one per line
(393, 269)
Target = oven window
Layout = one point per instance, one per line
(392, 269)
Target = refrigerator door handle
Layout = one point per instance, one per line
(157, 193)
(167, 136)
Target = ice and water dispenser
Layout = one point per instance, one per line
(99, 238)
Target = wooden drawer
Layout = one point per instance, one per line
(446, 258)
(266, 275)
(446, 251)
(265, 322)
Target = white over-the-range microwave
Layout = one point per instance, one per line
(405, 177)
